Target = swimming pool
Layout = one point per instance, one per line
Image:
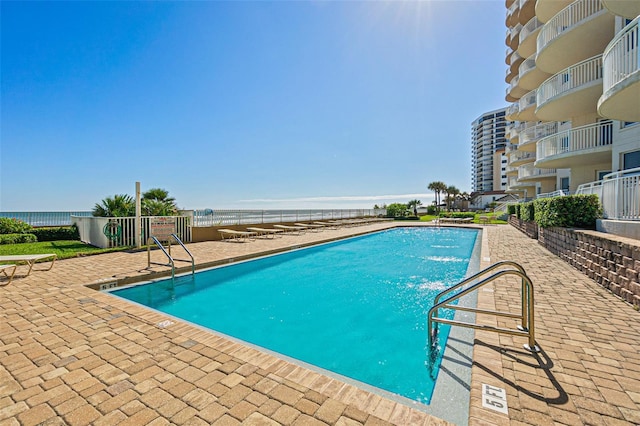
(356, 307)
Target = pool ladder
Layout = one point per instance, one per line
(172, 261)
(526, 316)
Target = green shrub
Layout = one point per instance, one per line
(432, 210)
(396, 209)
(574, 211)
(62, 233)
(518, 208)
(527, 212)
(511, 209)
(17, 238)
(406, 218)
(13, 226)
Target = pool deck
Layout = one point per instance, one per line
(72, 355)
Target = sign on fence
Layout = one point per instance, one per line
(162, 227)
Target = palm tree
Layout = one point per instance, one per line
(452, 193)
(437, 187)
(156, 202)
(414, 204)
(120, 205)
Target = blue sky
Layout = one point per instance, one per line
(252, 104)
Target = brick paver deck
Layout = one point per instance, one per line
(71, 355)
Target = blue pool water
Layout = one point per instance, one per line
(356, 307)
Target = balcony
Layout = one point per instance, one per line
(515, 90)
(547, 9)
(621, 79)
(514, 185)
(585, 145)
(516, 60)
(527, 107)
(512, 14)
(579, 31)
(512, 112)
(573, 91)
(511, 171)
(532, 134)
(519, 158)
(528, 172)
(527, 37)
(625, 8)
(530, 75)
(527, 11)
(514, 37)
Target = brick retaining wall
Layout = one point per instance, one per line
(528, 228)
(610, 260)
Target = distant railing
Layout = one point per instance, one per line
(527, 101)
(619, 194)
(532, 134)
(210, 217)
(529, 28)
(44, 218)
(575, 140)
(621, 58)
(107, 232)
(528, 171)
(558, 193)
(581, 75)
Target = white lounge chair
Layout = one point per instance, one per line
(311, 226)
(266, 232)
(232, 234)
(30, 259)
(292, 229)
(4, 269)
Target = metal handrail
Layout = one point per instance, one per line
(527, 327)
(171, 262)
(193, 262)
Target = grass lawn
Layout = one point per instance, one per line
(64, 249)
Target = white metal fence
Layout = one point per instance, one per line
(209, 217)
(44, 218)
(619, 194)
(107, 232)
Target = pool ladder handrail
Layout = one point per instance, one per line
(172, 262)
(527, 326)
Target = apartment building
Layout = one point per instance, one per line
(488, 159)
(574, 86)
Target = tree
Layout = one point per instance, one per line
(120, 205)
(414, 204)
(156, 202)
(437, 187)
(452, 193)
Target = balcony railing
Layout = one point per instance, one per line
(533, 134)
(528, 65)
(566, 19)
(512, 111)
(520, 156)
(621, 58)
(529, 28)
(528, 171)
(527, 101)
(582, 74)
(619, 194)
(575, 140)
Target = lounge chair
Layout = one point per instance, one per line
(234, 235)
(4, 268)
(327, 224)
(291, 229)
(266, 232)
(312, 226)
(30, 259)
